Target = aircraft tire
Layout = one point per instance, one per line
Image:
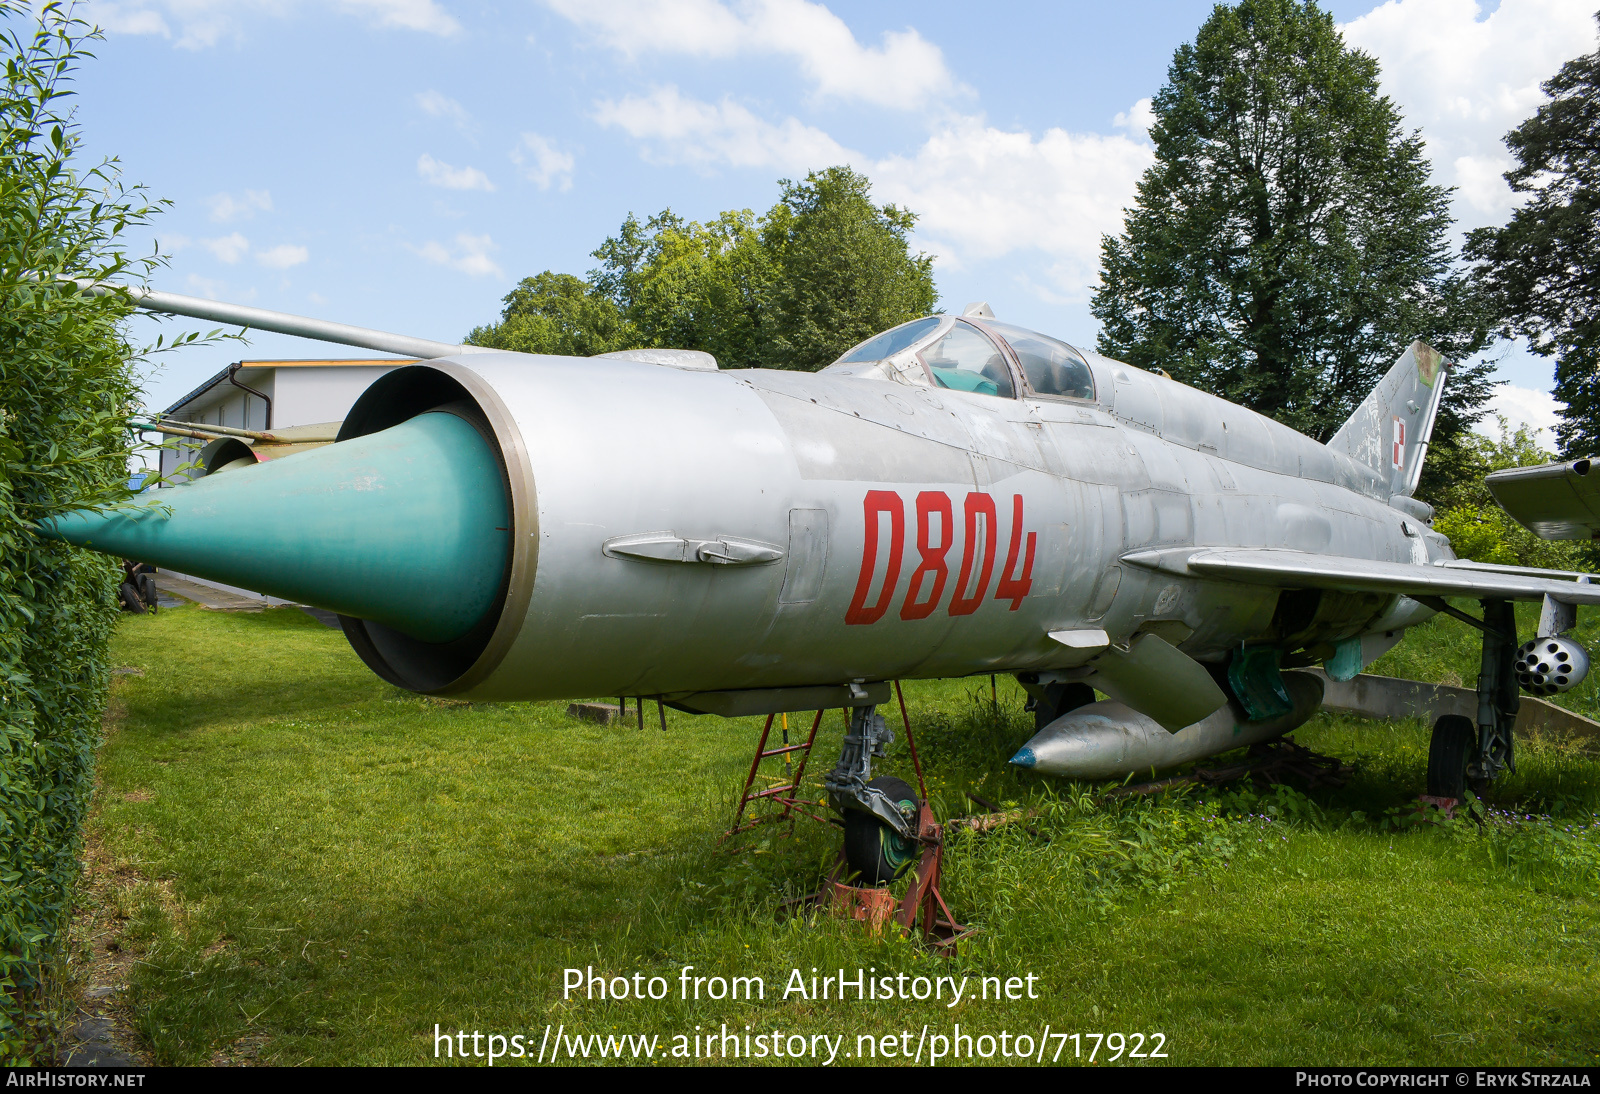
(1450, 750)
(1060, 699)
(130, 599)
(872, 850)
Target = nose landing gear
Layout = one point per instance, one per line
(880, 815)
(874, 850)
(888, 831)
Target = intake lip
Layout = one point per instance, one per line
(452, 667)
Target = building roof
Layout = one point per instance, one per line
(363, 362)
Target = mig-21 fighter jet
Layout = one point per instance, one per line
(955, 496)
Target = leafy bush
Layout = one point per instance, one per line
(1489, 535)
(66, 383)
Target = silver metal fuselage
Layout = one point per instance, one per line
(684, 530)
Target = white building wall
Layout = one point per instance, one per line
(307, 395)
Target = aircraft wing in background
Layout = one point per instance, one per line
(1554, 501)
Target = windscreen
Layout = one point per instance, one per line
(964, 360)
(890, 342)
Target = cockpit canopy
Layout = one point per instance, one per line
(972, 354)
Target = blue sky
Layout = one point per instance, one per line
(400, 164)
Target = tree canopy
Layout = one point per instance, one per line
(1542, 269)
(1287, 244)
(824, 269)
(845, 268)
(557, 313)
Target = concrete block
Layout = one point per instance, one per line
(603, 713)
(1389, 697)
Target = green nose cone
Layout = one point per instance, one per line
(409, 527)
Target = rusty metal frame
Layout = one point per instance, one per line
(783, 794)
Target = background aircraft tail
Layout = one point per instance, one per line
(1389, 431)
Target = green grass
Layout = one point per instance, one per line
(315, 864)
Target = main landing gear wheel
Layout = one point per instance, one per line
(872, 849)
(1059, 699)
(130, 599)
(1455, 739)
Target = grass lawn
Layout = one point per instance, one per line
(310, 866)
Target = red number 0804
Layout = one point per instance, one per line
(928, 580)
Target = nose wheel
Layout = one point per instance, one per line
(889, 832)
(873, 850)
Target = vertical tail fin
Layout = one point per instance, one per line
(1390, 430)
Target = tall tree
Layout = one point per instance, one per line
(557, 313)
(689, 285)
(845, 268)
(1287, 243)
(1542, 270)
(824, 269)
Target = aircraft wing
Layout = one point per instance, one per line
(1554, 501)
(1303, 570)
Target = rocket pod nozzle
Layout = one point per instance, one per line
(409, 527)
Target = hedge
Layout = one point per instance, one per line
(67, 384)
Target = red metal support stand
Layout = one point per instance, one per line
(785, 794)
(911, 741)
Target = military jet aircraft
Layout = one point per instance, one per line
(954, 496)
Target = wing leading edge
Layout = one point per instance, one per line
(1302, 570)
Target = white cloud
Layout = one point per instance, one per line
(196, 24)
(437, 105)
(683, 130)
(1465, 79)
(205, 286)
(542, 163)
(217, 290)
(117, 18)
(423, 15)
(226, 207)
(470, 255)
(282, 256)
(983, 192)
(1522, 406)
(1137, 119)
(203, 23)
(229, 249)
(435, 173)
(906, 71)
(980, 192)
